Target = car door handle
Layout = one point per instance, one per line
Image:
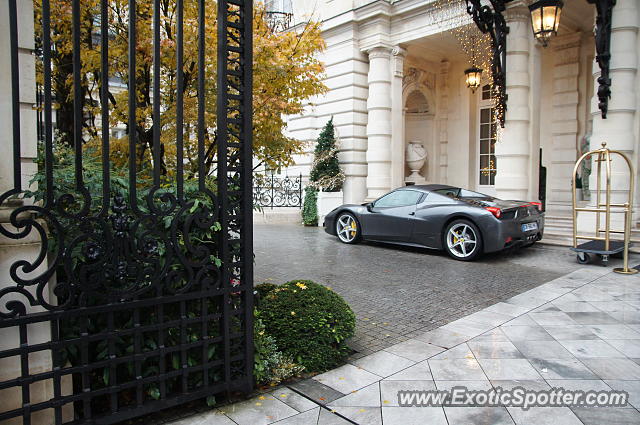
(412, 213)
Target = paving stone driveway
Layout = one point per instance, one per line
(578, 332)
(396, 292)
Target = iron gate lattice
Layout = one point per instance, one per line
(141, 295)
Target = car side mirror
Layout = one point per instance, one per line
(370, 206)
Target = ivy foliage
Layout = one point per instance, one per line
(309, 322)
(326, 174)
(310, 206)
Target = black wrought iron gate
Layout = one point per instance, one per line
(141, 295)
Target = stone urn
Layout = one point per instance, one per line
(416, 156)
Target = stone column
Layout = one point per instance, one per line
(443, 116)
(513, 150)
(397, 118)
(379, 107)
(566, 70)
(619, 130)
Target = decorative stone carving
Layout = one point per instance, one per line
(398, 61)
(416, 156)
(398, 51)
(412, 76)
(379, 52)
(430, 80)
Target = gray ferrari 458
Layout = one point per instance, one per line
(463, 223)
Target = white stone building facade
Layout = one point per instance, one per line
(396, 75)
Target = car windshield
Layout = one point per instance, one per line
(459, 193)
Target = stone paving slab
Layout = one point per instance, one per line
(581, 335)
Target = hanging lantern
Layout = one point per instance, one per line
(545, 19)
(473, 76)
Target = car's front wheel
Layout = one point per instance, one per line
(347, 228)
(462, 240)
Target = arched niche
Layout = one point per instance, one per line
(419, 124)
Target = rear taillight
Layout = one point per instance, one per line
(497, 212)
(538, 205)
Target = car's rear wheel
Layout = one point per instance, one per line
(462, 240)
(348, 228)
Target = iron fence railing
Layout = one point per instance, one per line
(274, 192)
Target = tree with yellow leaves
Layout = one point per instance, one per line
(287, 72)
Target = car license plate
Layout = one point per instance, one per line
(527, 227)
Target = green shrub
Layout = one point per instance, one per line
(264, 288)
(310, 207)
(309, 322)
(271, 366)
(261, 290)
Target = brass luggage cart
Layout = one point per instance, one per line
(602, 244)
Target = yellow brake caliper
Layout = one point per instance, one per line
(353, 228)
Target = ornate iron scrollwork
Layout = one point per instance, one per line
(279, 21)
(132, 287)
(491, 21)
(273, 192)
(603, 50)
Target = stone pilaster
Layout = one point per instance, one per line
(397, 117)
(566, 70)
(443, 116)
(28, 247)
(619, 130)
(379, 106)
(513, 150)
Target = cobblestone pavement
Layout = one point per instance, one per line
(396, 292)
(579, 333)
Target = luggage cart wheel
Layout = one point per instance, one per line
(583, 258)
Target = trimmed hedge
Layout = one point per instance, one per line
(310, 322)
(310, 207)
(262, 289)
(271, 366)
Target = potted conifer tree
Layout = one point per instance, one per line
(326, 176)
